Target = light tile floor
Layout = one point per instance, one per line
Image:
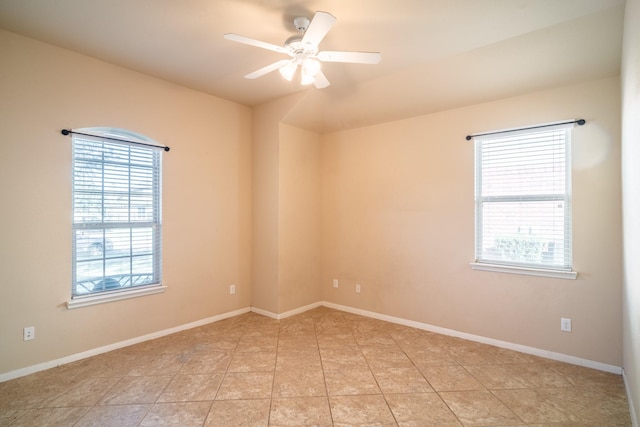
(320, 368)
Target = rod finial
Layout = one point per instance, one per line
(469, 137)
(580, 122)
(65, 131)
(166, 148)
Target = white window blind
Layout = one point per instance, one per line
(116, 215)
(523, 198)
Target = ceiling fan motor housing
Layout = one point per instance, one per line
(296, 47)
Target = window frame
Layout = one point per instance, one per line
(481, 261)
(149, 163)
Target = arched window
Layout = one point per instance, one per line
(117, 225)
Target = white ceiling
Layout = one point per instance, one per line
(436, 54)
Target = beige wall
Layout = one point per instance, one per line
(264, 250)
(206, 200)
(286, 211)
(299, 261)
(398, 218)
(265, 289)
(631, 194)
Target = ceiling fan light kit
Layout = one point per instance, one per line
(287, 71)
(304, 52)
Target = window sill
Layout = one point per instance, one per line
(115, 296)
(557, 274)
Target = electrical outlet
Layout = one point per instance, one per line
(232, 289)
(29, 333)
(357, 288)
(565, 324)
(335, 283)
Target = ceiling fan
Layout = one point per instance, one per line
(304, 52)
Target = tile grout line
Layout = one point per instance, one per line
(273, 380)
(324, 379)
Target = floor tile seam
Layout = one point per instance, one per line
(206, 372)
(115, 405)
(445, 366)
(443, 402)
(535, 386)
(146, 413)
(70, 406)
(450, 409)
(298, 396)
(82, 416)
(27, 406)
(182, 401)
(101, 398)
(241, 399)
(273, 380)
(209, 375)
(146, 375)
(80, 371)
(409, 393)
(262, 371)
(497, 390)
(224, 376)
(204, 422)
(27, 410)
(292, 349)
(500, 400)
(455, 362)
(74, 423)
(509, 407)
(324, 380)
(298, 370)
(373, 375)
(151, 406)
(326, 398)
(21, 392)
(97, 376)
(148, 405)
(384, 397)
(417, 369)
(462, 390)
(15, 411)
(354, 395)
(540, 387)
(259, 350)
(475, 377)
(510, 364)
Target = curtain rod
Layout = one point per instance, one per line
(580, 122)
(68, 131)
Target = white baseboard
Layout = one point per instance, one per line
(419, 325)
(269, 314)
(503, 344)
(632, 409)
(94, 352)
(286, 313)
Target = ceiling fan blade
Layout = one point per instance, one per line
(321, 81)
(266, 70)
(254, 42)
(318, 28)
(353, 57)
